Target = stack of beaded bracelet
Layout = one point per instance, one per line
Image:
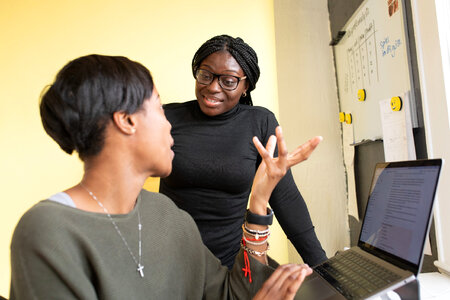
(259, 237)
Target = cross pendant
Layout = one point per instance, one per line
(140, 269)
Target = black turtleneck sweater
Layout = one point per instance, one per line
(213, 170)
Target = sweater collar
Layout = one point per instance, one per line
(226, 115)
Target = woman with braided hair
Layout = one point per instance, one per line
(215, 164)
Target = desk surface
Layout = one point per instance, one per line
(434, 286)
(430, 286)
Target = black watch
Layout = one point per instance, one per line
(259, 219)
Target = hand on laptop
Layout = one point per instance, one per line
(284, 282)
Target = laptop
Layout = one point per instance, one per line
(393, 233)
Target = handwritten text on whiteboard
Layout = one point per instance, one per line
(388, 48)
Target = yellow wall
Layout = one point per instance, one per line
(38, 37)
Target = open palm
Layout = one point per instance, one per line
(272, 169)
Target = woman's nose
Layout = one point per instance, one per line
(214, 85)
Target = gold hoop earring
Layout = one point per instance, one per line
(244, 94)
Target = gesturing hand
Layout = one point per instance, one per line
(283, 283)
(271, 169)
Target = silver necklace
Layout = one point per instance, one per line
(140, 267)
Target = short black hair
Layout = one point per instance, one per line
(242, 53)
(86, 93)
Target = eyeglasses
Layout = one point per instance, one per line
(227, 82)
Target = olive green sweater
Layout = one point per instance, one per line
(60, 252)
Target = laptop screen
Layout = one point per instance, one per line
(399, 209)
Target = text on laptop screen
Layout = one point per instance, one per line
(392, 222)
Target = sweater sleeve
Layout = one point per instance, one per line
(234, 284)
(36, 258)
(220, 283)
(292, 213)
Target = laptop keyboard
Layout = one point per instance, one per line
(355, 276)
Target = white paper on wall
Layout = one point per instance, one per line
(398, 140)
(349, 161)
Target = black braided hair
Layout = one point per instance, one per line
(242, 53)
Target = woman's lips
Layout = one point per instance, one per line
(211, 102)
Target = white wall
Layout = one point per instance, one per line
(436, 115)
(308, 106)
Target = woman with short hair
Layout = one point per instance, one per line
(106, 237)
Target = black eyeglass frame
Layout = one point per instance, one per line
(214, 75)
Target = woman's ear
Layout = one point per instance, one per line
(124, 122)
(246, 85)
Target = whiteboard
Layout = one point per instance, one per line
(372, 55)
